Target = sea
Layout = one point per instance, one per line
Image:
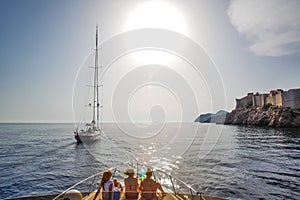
(235, 162)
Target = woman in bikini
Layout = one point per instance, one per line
(131, 185)
(149, 187)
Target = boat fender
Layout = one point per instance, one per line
(72, 195)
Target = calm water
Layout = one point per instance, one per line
(227, 161)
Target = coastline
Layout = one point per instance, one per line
(273, 116)
(277, 117)
(278, 109)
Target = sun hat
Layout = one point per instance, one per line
(129, 171)
(149, 170)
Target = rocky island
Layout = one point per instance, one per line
(217, 118)
(277, 109)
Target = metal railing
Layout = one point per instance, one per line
(89, 187)
(170, 183)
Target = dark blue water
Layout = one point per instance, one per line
(226, 161)
(40, 158)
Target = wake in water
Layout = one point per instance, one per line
(243, 163)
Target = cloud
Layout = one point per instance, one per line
(273, 26)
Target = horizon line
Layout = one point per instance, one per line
(69, 122)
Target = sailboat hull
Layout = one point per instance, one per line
(88, 136)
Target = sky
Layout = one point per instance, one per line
(162, 60)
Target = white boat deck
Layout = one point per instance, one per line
(168, 196)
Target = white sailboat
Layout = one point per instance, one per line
(92, 130)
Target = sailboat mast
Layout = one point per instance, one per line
(96, 98)
(97, 86)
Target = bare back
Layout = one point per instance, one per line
(148, 188)
(131, 188)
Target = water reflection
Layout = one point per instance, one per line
(241, 163)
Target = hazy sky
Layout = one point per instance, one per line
(163, 60)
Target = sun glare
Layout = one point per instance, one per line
(156, 14)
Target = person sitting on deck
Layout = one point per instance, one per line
(117, 184)
(149, 186)
(117, 188)
(131, 185)
(106, 185)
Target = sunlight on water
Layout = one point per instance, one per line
(241, 163)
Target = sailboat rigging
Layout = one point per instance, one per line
(92, 130)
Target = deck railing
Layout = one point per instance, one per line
(170, 183)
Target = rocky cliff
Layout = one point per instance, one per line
(218, 118)
(272, 116)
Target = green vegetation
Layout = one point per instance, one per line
(249, 105)
(267, 106)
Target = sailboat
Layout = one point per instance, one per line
(92, 130)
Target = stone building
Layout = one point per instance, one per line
(290, 98)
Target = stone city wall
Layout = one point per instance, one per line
(275, 98)
(243, 102)
(290, 98)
